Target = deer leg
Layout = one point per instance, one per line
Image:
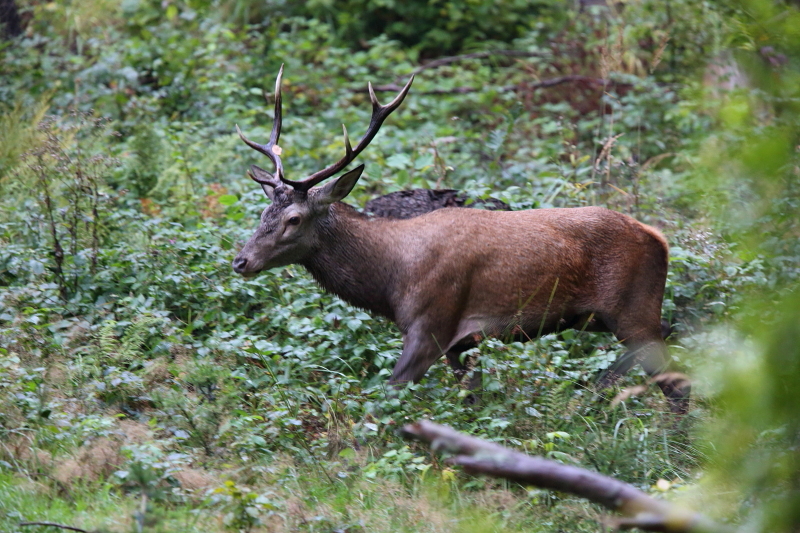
(651, 353)
(657, 362)
(460, 368)
(617, 369)
(420, 351)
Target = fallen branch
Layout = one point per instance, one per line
(390, 87)
(52, 524)
(436, 63)
(551, 82)
(482, 457)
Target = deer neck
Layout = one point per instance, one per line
(354, 260)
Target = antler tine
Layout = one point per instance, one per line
(271, 149)
(379, 114)
(348, 149)
(262, 181)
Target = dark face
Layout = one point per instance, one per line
(283, 237)
(288, 233)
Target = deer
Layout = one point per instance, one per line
(452, 277)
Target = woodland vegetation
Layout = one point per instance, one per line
(144, 386)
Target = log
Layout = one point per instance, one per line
(639, 510)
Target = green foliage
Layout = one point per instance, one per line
(68, 215)
(756, 355)
(434, 28)
(17, 133)
(148, 471)
(228, 404)
(146, 164)
(245, 509)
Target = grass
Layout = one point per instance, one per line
(24, 499)
(299, 501)
(96, 475)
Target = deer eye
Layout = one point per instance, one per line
(293, 221)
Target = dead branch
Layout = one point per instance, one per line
(436, 63)
(543, 84)
(455, 90)
(605, 152)
(482, 457)
(53, 524)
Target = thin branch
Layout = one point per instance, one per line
(605, 152)
(479, 456)
(551, 82)
(53, 524)
(436, 63)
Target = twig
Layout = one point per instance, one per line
(640, 510)
(53, 524)
(436, 63)
(659, 52)
(455, 90)
(551, 82)
(656, 159)
(606, 150)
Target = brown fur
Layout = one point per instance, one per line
(453, 276)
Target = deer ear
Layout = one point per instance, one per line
(262, 177)
(337, 189)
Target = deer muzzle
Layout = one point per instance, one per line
(240, 266)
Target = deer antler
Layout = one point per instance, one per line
(379, 114)
(273, 151)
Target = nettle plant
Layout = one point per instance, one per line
(69, 215)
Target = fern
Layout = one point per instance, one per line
(556, 406)
(130, 345)
(147, 162)
(18, 131)
(106, 338)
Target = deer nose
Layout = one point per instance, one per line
(238, 264)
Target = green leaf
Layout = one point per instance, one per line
(423, 162)
(347, 453)
(228, 199)
(398, 161)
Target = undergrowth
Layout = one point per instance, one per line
(144, 386)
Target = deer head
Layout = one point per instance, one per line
(287, 232)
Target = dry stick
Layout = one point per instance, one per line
(52, 524)
(58, 251)
(605, 152)
(95, 223)
(551, 82)
(436, 63)
(640, 510)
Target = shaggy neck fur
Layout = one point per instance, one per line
(348, 244)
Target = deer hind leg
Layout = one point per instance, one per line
(460, 367)
(657, 362)
(647, 348)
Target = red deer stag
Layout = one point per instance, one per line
(453, 276)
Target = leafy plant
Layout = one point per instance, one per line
(119, 310)
(245, 509)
